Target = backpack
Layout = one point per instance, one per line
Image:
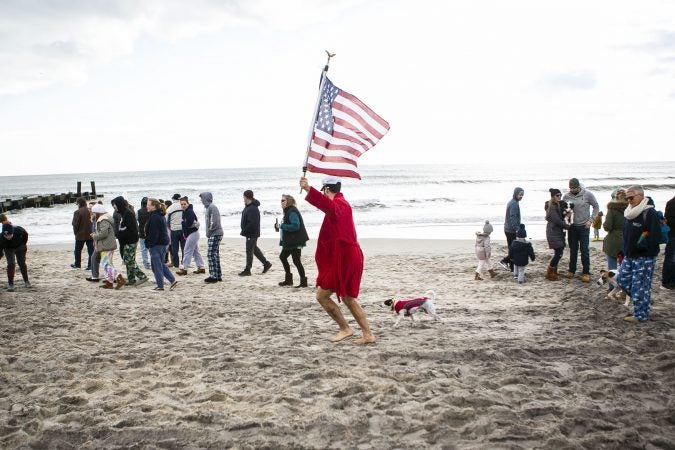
(665, 229)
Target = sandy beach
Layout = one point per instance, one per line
(248, 364)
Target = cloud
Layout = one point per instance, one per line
(567, 81)
(49, 41)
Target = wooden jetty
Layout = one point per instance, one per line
(48, 200)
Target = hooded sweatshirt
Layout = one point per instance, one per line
(582, 201)
(250, 220)
(512, 219)
(211, 215)
(142, 216)
(127, 231)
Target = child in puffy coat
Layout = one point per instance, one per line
(483, 251)
(519, 251)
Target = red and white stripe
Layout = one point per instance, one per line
(356, 129)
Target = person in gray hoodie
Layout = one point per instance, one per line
(580, 201)
(511, 224)
(214, 233)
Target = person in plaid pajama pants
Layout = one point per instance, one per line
(214, 233)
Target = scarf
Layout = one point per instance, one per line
(631, 213)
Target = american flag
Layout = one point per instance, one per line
(345, 128)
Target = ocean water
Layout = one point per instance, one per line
(420, 201)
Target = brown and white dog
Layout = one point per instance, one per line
(409, 307)
(608, 277)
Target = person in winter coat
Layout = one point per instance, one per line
(581, 201)
(157, 239)
(484, 251)
(555, 231)
(511, 224)
(127, 235)
(641, 236)
(339, 258)
(142, 217)
(105, 244)
(519, 251)
(613, 225)
(668, 274)
(13, 246)
(214, 234)
(250, 229)
(293, 237)
(190, 226)
(597, 224)
(82, 232)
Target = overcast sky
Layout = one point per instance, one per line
(94, 85)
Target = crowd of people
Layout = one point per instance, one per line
(635, 230)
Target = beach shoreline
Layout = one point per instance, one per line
(247, 363)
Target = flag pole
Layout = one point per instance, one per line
(316, 111)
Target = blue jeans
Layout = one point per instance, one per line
(612, 262)
(668, 274)
(159, 268)
(144, 253)
(578, 237)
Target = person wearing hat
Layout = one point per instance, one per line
(613, 243)
(555, 231)
(339, 258)
(106, 244)
(13, 245)
(511, 224)
(484, 251)
(581, 201)
(519, 252)
(250, 229)
(174, 218)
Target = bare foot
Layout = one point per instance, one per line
(363, 340)
(342, 334)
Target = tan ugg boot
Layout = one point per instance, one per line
(492, 273)
(477, 277)
(552, 274)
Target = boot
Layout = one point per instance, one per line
(477, 277)
(492, 273)
(552, 274)
(288, 281)
(181, 272)
(120, 281)
(303, 282)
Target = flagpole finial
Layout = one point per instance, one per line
(330, 55)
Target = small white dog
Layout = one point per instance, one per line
(409, 307)
(608, 277)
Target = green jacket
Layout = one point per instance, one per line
(613, 225)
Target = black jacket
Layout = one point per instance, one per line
(142, 216)
(19, 238)
(519, 251)
(250, 220)
(156, 232)
(633, 245)
(293, 239)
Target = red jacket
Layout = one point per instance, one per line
(338, 255)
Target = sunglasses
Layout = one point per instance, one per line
(630, 198)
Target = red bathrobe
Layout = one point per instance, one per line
(338, 255)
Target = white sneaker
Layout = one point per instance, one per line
(504, 265)
(27, 284)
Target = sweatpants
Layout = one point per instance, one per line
(16, 256)
(213, 255)
(519, 273)
(192, 249)
(107, 267)
(635, 277)
(129, 258)
(483, 264)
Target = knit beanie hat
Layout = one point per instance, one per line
(574, 183)
(521, 232)
(487, 228)
(554, 192)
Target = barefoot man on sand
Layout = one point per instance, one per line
(339, 258)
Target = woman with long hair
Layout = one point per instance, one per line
(190, 226)
(292, 238)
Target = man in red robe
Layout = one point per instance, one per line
(339, 259)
